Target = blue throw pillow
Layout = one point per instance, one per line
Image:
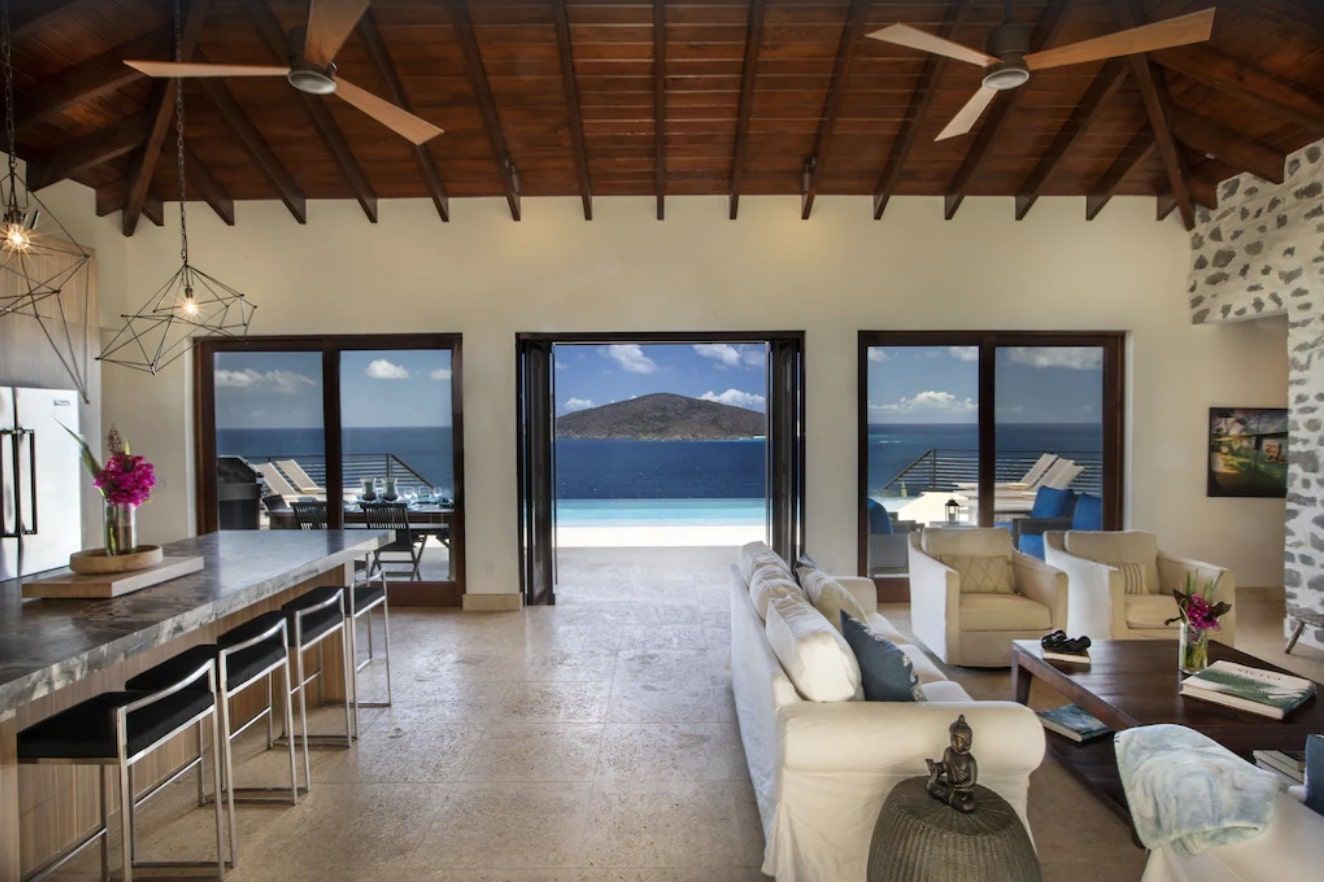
(1088, 514)
(885, 670)
(880, 522)
(1032, 544)
(1050, 502)
(1314, 772)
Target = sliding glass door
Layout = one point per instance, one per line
(966, 428)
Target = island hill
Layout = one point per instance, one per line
(663, 416)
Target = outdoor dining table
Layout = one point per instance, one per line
(425, 518)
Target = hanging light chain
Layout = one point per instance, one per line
(179, 139)
(6, 49)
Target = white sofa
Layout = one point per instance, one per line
(1099, 605)
(822, 770)
(1292, 848)
(976, 630)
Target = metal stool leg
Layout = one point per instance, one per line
(303, 709)
(289, 728)
(216, 781)
(224, 752)
(103, 773)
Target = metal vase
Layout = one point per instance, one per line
(120, 526)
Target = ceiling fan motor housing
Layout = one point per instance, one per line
(1009, 42)
(312, 79)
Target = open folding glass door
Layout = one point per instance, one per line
(786, 445)
(536, 470)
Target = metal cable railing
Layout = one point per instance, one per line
(943, 469)
(356, 467)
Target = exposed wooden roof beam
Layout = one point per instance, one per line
(201, 182)
(1141, 146)
(1204, 191)
(1104, 86)
(111, 199)
(1158, 107)
(273, 34)
(87, 80)
(371, 38)
(103, 145)
(162, 112)
(852, 30)
(571, 89)
(1246, 83)
(248, 135)
(1210, 138)
(37, 15)
(473, 62)
(920, 99)
(660, 106)
(1044, 32)
(753, 41)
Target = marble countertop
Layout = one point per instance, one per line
(48, 644)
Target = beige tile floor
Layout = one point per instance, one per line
(590, 741)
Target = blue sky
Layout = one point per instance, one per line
(590, 375)
(397, 388)
(940, 384)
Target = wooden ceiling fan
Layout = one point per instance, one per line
(1008, 61)
(313, 70)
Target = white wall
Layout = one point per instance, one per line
(487, 277)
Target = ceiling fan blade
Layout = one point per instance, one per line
(905, 35)
(1193, 28)
(968, 115)
(402, 122)
(329, 25)
(200, 69)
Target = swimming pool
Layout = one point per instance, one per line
(659, 512)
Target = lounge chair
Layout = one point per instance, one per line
(299, 478)
(276, 483)
(1029, 482)
(888, 545)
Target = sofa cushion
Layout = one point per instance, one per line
(1150, 610)
(982, 574)
(814, 655)
(829, 596)
(1003, 612)
(1133, 547)
(886, 672)
(926, 670)
(982, 541)
(944, 690)
(767, 586)
(880, 625)
(759, 552)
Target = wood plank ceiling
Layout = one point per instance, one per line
(662, 98)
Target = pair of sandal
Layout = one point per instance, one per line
(1058, 641)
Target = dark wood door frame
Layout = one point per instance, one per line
(444, 593)
(1113, 344)
(786, 498)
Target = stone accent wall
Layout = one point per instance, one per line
(1261, 253)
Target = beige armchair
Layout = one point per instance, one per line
(975, 628)
(1100, 605)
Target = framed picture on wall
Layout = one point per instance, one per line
(1248, 451)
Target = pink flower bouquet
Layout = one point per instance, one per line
(125, 479)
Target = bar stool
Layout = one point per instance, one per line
(361, 600)
(244, 656)
(312, 618)
(119, 730)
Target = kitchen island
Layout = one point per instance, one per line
(55, 653)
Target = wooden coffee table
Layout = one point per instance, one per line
(1135, 683)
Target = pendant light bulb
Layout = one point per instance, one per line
(187, 305)
(17, 233)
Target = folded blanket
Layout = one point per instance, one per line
(1188, 791)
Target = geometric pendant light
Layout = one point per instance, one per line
(190, 300)
(42, 269)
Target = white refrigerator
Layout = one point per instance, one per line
(40, 480)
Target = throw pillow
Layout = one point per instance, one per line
(756, 553)
(766, 587)
(1315, 772)
(1133, 577)
(982, 574)
(815, 657)
(829, 596)
(886, 672)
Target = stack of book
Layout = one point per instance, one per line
(1070, 721)
(1287, 764)
(1062, 655)
(1267, 693)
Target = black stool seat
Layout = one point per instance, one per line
(239, 668)
(87, 730)
(251, 628)
(366, 595)
(318, 623)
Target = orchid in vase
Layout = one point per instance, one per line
(1198, 617)
(125, 482)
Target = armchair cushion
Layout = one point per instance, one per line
(982, 541)
(1137, 550)
(829, 596)
(981, 574)
(1150, 610)
(816, 658)
(886, 672)
(1003, 612)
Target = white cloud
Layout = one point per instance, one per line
(381, 369)
(736, 398)
(561, 365)
(964, 353)
(724, 354)
(1076, 358)
(928, 401)
(878, 355)
(440, 374)
(753, 356)
(631, 358)
(577, 403)
(282, 382)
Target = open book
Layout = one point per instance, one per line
(1256, 690)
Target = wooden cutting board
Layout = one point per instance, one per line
(107, 585)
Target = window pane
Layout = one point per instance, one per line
(269, 438)
(923, 443)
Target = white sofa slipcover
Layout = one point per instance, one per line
(821, 770)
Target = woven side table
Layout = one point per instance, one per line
(918, 839)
